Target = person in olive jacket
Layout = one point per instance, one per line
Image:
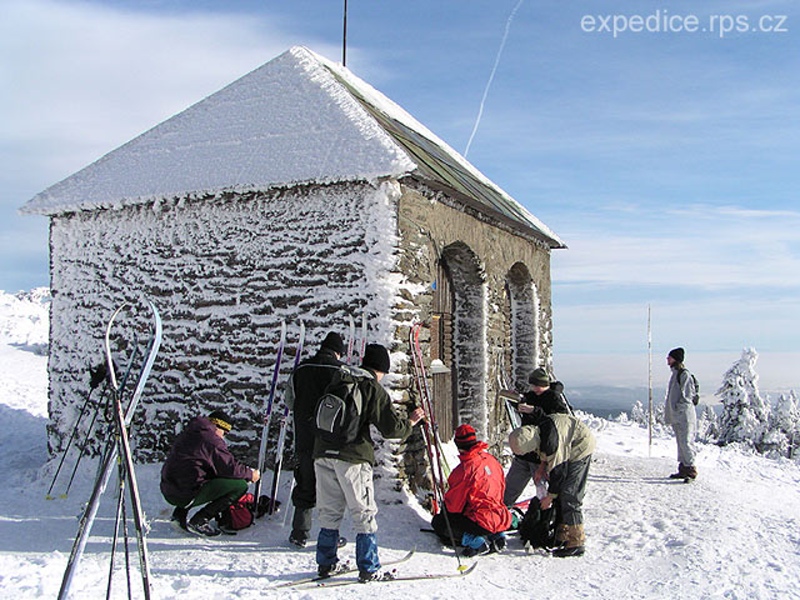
(562, 445)
(344, 474)
(201, 471)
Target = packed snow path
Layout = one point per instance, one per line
(733, 533)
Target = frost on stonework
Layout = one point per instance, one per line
(745, 414)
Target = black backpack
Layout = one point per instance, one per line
(338, 415)
(538, 527)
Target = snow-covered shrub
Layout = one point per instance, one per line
(708, 425)
(785, 426)
(745, 414)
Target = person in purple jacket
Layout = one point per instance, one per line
(200, 471)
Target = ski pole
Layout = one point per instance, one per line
(48, 496)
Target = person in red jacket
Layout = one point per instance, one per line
(475, 514)
(200, 471)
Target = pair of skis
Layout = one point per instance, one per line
(270, 504)
(118, 449)
(341, 579)
(440, 470)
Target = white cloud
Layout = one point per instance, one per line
(698, 246)
(86, 78)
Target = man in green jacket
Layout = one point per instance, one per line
(344, 474)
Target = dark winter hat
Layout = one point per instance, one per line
(333, 341)
(539, 377)
(376, 357)
(221, 420)
(677, 354)
(465, 437)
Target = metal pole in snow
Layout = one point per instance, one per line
(649, 385)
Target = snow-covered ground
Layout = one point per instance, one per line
(734, 533)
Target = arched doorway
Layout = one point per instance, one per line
(459, 341)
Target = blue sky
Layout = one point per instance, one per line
(669, 161)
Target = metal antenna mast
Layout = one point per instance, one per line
(344, 36)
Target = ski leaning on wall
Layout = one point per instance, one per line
(276, 473)
(268, 403)
(118, 443)
(440, 470)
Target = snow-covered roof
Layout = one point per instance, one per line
(298, 119)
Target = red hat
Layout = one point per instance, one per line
(465, 437)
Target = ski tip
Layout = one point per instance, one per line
(466, 570)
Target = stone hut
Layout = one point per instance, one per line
(297, 192)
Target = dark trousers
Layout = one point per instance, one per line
(217, 495)
(459, 524)
(304, 494)
(569, 502)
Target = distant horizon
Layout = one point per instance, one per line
(776, 371)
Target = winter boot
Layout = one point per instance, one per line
(205, 528)
(497, 542)
(572, 538)
(298, 538)
(690, 472)
(179, 517)
(200, 523)
(680, 473)
(562, 533)
(367, 576)
(325, 571)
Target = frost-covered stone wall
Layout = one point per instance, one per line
(503, 298)
(224, 271)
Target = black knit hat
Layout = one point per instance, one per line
(539, 377)
(465, 437)
(376, 357)
(678, 354)
(221, 420)
(333, 341)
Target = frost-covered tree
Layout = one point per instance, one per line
(745, 415)
(638, 413)
(785, 426)
(708, 425)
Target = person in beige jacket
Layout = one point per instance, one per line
(562, 445)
